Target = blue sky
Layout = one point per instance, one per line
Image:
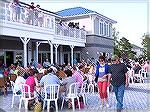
(131, 15)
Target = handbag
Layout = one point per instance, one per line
(39, 103)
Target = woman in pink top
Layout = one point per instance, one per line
(31, 81)
(77, 75)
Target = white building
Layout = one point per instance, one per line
(99, 38)
(22, 41)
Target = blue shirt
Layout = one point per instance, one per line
(49, 79)
(101, 70)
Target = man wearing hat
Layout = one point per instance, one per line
(118, 73)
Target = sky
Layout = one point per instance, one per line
(132, 16)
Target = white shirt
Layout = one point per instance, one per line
(19, 80)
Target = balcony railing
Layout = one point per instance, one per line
(69, 32)
(22, 14)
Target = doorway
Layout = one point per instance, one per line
(9, 58)
(66, 59)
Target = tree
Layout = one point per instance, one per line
(122, 47)
(146, 45)
(115, 36)
(125, 48)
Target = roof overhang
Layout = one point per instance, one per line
(68, 18)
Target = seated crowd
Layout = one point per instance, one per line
(38, 76)
(44, 75)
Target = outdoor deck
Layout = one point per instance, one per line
(135, 100)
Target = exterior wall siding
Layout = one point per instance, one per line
(96, 45)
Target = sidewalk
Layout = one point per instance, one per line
(135, 100)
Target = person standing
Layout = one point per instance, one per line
(119, 76)
(101, 73)
(46, 63)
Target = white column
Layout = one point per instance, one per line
(25, 41)
(56, 46)
(36, 51)
(29, 51)
(14, 56)
(71, 46)
(61, 55)
(51, 47)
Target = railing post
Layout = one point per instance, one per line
(56, 46)
(51, 49)
(36, 51)
(25, 41)
(72, 47)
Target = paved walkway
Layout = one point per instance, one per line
(136, 99)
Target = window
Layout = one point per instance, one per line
(110, 30)
(105, 29)
(101, 28)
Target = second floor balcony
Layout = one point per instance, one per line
(39, 22)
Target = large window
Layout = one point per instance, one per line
(101, 27)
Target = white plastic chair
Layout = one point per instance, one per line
(139, 76)
(82, 92)
(25, 95)
(131, 76)
(14, 93)
(91, 88)
(51, 94)
(143, 73)
(73, 88)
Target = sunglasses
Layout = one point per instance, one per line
(101, 60)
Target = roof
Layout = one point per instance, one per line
(136, 47)
(74, 11)
(78, 11)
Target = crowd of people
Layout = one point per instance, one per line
(35, 15)
(104, 73)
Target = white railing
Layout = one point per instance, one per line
(22, 14)
(69, 32)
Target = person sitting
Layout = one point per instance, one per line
(19, 80)
(77, 75)
(48, 79)
(66, 82)
(137, 68)
(46, 64)
(32, 81)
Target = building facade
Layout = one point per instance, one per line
(22, 40)
(99, 40)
